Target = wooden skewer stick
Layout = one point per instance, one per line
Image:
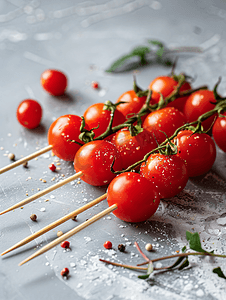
(25, 159)
(70, 233)
(56, 223)
(42, 193)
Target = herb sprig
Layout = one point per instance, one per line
(154, 53)
(181, 262)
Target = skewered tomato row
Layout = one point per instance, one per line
(168, 174)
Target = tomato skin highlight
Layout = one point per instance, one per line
(199, 103)
(219, 132)
(95, 116)
(167, 172)
(133, 148)
(54, 82)
(166, 85)
(198, 151)
(29, 113)
(65, 128)
(133, 105)
(94, 160)
(136, 197)
(167, 120)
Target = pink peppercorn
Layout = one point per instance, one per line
(52, 167)
(95, 85)
(108, 245)
(64, 272)
(65, 244)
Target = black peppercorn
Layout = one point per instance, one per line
(121, 247)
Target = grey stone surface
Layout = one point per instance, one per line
(82, 38)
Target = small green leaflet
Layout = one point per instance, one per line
(194, 242)
(219, 272)
(149, 271)
(141, 52)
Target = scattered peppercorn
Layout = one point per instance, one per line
(95, 85)
(11, 156)
(52, 167)
(148, 247)
(74, 218)
(25, 164)
(108, 245)
(64, 272)
(33, 217)
(65, 244)
(59, 233)
(121, 247)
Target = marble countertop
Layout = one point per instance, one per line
(82, 38)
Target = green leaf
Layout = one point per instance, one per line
(219, 272)
(149, 271)
(184, 264)
(194, 241)
(119, 63)
(177, 262)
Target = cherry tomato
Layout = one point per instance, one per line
(166, 85)
(94, 160)
(133, 148)
(29, 113)
(96, 116)
(62, 130)
(167, 172)
(198, 151)
(219, 132)
(166, 120)
(133, 105)
(136, 197)
(199, 103)
(54, 82)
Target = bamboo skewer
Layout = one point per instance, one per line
(70, 233)
(25, 159)
(42, 193)
(56, 223)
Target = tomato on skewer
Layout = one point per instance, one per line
(96, 117)
(136, 197)
(167, 172)
(198, 151)
(165, 85)
(61, 131)
(219, 132)
(199, 103)
(95, 159)
(164, 122)
(133, 148)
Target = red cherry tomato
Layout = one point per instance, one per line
(136, 197)
(219, 132)
(133, 148)
(95, 115)
(166, 120)
(198, 151)
(62, 130)
(29, 113)
(94, 160)
(54, 82)
(133, 105)
(166, 85)
(199, 103)
(167, 172)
